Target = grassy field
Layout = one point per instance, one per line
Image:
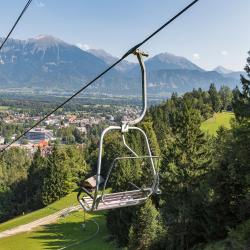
(3, 108)
(67, 201)
(219, 119)
(67, 233)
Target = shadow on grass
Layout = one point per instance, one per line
(67, 235)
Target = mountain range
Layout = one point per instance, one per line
(49, 64)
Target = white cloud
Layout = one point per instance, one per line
(83, 46)
(196, 56)
(224, 52)
(39, 4)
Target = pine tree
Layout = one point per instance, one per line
(55, 184)
(214, 97)
(147, 126)
(13, 190)
(118, 222)
(241, 100)
(226, 97)
(185, 166)
(230, 177)
(36, 175)
(159, 115)
(145, 228)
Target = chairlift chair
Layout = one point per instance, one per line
(96, 201)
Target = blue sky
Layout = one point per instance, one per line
(214, 32)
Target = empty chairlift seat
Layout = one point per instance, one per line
(116, 200)
(97, 201)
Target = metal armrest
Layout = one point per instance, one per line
(81, 200)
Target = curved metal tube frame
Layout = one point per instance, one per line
(125, 127)
(127, 146)
(144, 89)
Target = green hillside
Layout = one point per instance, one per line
(67, 232)
(219, 119)
(67, 201)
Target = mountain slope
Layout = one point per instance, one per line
(229, 73)
(45, 60)
(170, 61)
(164, 82)
(50, 65)
(220, 69)
(109, 59)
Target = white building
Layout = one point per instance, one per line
(40, 134)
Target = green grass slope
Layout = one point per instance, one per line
(67, 233)
(67, 201)
(219, 119)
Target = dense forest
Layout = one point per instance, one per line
(205, 180)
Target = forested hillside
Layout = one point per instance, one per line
(204, 179)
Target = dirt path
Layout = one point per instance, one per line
(40, 222)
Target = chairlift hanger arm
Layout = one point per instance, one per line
(126, 198)
(125, 126)
(139, 54)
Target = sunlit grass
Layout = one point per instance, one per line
(219, 119)
(67, 232)
(67, 201)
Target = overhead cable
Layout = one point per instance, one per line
(15, 24)
(104, 72)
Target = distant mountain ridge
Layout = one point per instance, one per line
(170, 61)
(48, 63)
(222, 70)
(109, 59)
(229, 73)
(45, 60)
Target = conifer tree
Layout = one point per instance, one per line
(55, 184)
(147, 126)
(214, 97)
(145, 228)
(230, 179)
(226, 97)
(185, 165)
(241, 100)
(158, 115)
(36, 175)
